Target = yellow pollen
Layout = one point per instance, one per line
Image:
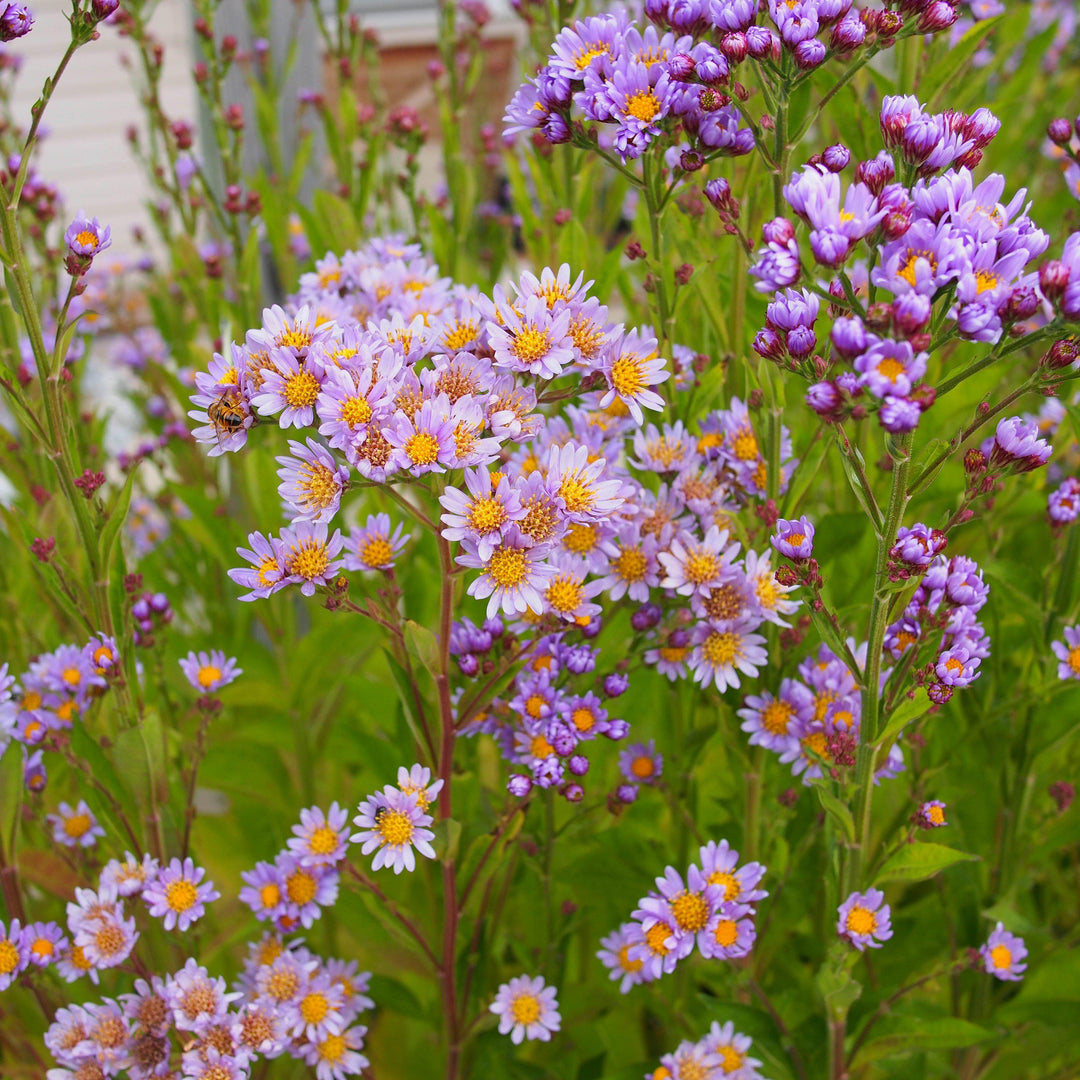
(328, 277)
(77, 958)
(905, 639)
(534, 705)
(540, 747)
(208, 675)
(691, 1068)
(109, 939)
(721, 649)
(333, 1048)
(269, 896)
(87, 239)
(1001, 956)
(31, 700)
(32, 730)
(309, 561)
(585, 57)
(355, 411)
(281, 985)
(822, 703)
(954, 665)
(726, 933)
(628, 375)
(181, 895)
(985, 280)
(463, 333)
(564, 595)
(642, 767)
(630, 564)
(323, 841)
(422, 448)
(526, 1008)
(43, 947)
(9, 957)
(270, 949)
(1074, 659)
(843, 718)
(744, 444)
(860, 920)
(294, 339)
(314, 1008)
(890, 368)
(301, 390)
(732, 1059)
(776, 716)
(318, 486)
(102, 654)
(580, 539)
(690, 911)
(656, 938)
(300, 887)
(109, 1032)
(643, 106)
(395, 828)
(936, 815)
(72, 676)
(77, 825)
(628, 964)
(672, 653)
(531, 344)
(583, 719)
(377, 552)
(907, 271)
(587, 336)
(701, 566)
(508, 567)
(487, 514)
(817, 744)
(268, 571)
(730, 882)
(845, 216)
(577, 493)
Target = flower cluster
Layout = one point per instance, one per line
(722, 1053)
(713, 908)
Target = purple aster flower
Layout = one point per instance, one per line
(640, 763)
(795, 539)
(530, 336)
(919, 545)
(720, 654)
(630, 99)
(527, 1009)
(589, 43)
(392, 824)
(769, 719)
(290, 387)
(733, 1049)
(308, 555)
(316, 1013)
(311, 481)
(1017, 445)
(375, 546)
(352, 398)
(654, 940)
(631, 365)
(337, 1056)
(793, 307)
(76, 827)
(321, 838)
(197, 999)
(513, 576)
(729, 934)
(178, 895)
(720, 865)
(209, 672)
(1068, 652)
(16, 21)
(84, 237)
(931, 814)
(267, 573)
(890, 368)
(957, 667)
(777, 263)
(483, 514)
(44, 941)
(575, 479)
(863, 919)
(695, 566)
(416, 780)
(423, 441)
(148, 1006)
(614, 954)
(926, 257)
(14, 953)
(964, 584)
(1003, 955)
(108, 1038)
(633, 568)
(308, 889)
(264, 891)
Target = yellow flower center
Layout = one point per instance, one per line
(891, 369)
(720, 649)
(43, 947)
(422, 448)
(508, 567)
(301, 390)
(314, 1007)
(72, 676)
(9, 957)
(208, 675)
(776, 716)
(526, 1008)
(31, 700)
(860, 920)
(294, 338)
(672, 653)
(907, 271)
(281, 985)
(109, 939)
(726, 933)
(395, 828)
(77, 825)
(87, 239)
(323, 841)
(582, 718)
(308, 561)
(377, 552)
(318, 486)
(301, 887)
(985, 280)
(181, 895)
(102, 654)
(576, 492)
(626, 963)
(333, 1048)
(580, 539)
(531, 344)
(628, 375)
(585, 57)
(656, 938)
(268, 571)
(269, 896)
(564, 595)
(534, 705)
(463, 334)
(936, 815)
(642, 767)
(729, 881)
(1001, 956)
(355, 410)
(816, 743)
(1074, 659)
(630, 564)
(643, 105)
(744, 444)
(690, 911)
(731, 1061)
(487, 514)
(540, 747)
(701, 566)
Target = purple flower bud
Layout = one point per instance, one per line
(615, 684)
(140, 610)
(159, 603)
(823, 397)
(469, 664)
(555, 128)
(573, 793)
(938, 693)
(690, 161)
(836, 157)
(940, 15)
(553, 89)
(626, 793)
(718, 192)
(681, 67)
(16, 21)
(809, 54)
(761, 42)
(899, 414)
(578, 765)
(1021, 304)
(830, 247)
(564, 743)
(102, 9)
(646, 617)
(493, 626)
(592, 627)
(911, 313)
(848, 337)
(1053, 279)
(679, 639)
(767, 344)
(734, 46)
(848, 34)
(778, 231)
(801, 341)
(876, 173)
(617, 729)
(896, 223)
(519, 785)
(794, 539)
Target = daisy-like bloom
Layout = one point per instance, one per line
(719, 864)
(197, 999)
(527, 1009)
(103, 935)
(719, 654)
(1068, 652)
(1063, 505)
(209, 672)
(633, 568)
(863, 919)
(729, 934)
(316, 1011)
(567, 594)
(689, 906)
(282, 979)
(528, 336)
(769, 720)
(66, 1032)
(75, 827)
(423, 441)
(321, 838)
(310, 558)
(392, 824)
(931, 814)
(337, 1056)
(794, 539)
(72, 964)
(656, 943)
(634, 102)
(640, 763)
(482, 514)
(264, 891)
(513, 577)
(45, 941)
(376, 546)
(614, 954)
(311, 481)
(733, 1050)
(148, 1007)
(352, 399)
(259, 1029)
(267, 573)
(308, 889)
(178, 895)
(14, 953)
(586, 715)
(631, 365)
(574, 479)
(1003, 955)
(290, 387)
(294, 335)
(108, 1037)
(416, 781)
(84, 238)
(694, 566)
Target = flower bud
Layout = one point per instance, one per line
(1053, 279)
(938, 16)
(809, 54)
(1059, 130)
(681, 67)
(835, 158)
(735, 46)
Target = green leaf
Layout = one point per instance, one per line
(116, 517)
(908, 710)
(952, 64)
(917, 862)
(424, 645)
(838, 813)
(396, 997)
(913, 1033)
(11, 792)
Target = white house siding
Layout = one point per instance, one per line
(86, 154)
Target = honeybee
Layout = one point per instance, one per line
(227, 414)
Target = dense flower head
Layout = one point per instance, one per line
(1068, 653)
(393, 825)
(1003, 955)
(863, 919)
(209, 672)
(178, 895)
(527, 1009)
